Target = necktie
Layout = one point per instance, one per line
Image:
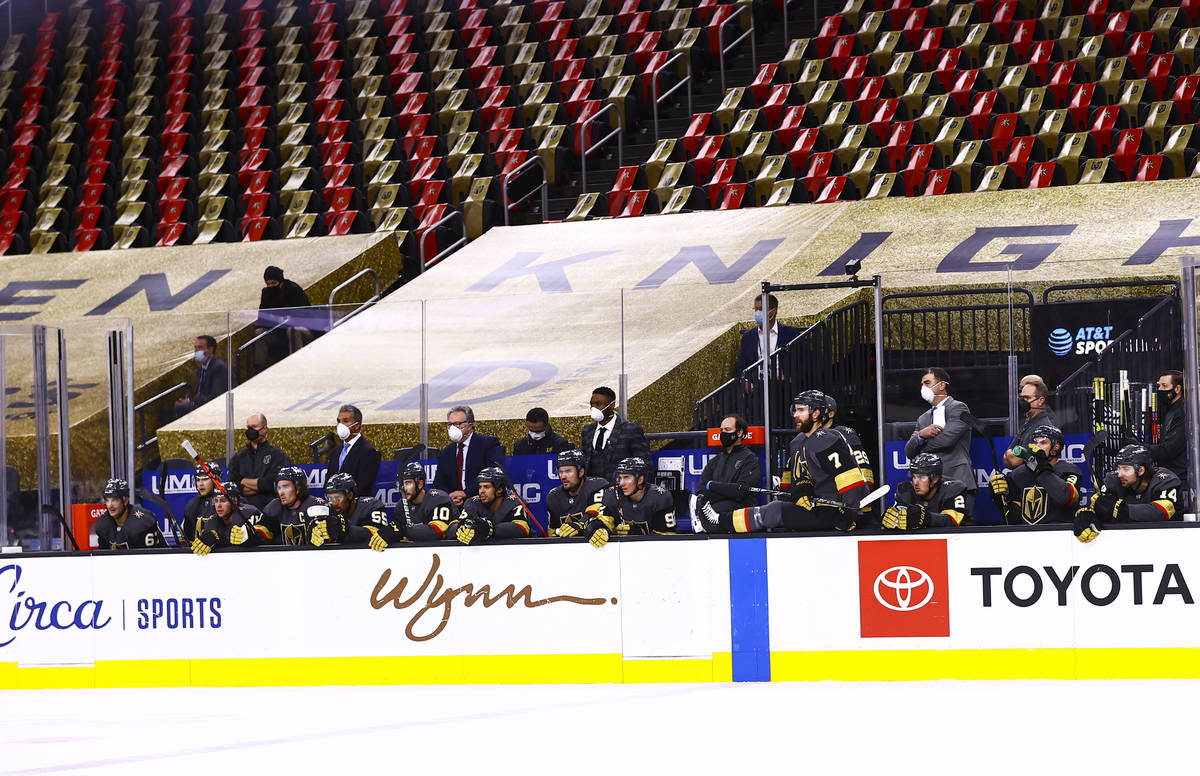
(459, 461)
(600, 438)
(342, 458)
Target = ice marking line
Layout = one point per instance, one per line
(225, 747)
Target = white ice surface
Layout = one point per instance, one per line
(1032, 727)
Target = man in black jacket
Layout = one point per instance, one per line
(356, 455)
(1171, 450)
(255, 466)
(728, 474)
(212, 379)
(610, 438)
(285, 295)
(541, 438)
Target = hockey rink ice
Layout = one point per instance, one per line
(818, 728)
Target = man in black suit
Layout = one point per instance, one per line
(466, 455)
(610, 438)
(212, 378)
(356, 455)
(781, 335)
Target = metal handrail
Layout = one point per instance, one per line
(544, 187)
(460, 242)
(152, 399)
(583, 133)
(148, 442)
(237, 356)
(726, 49)
(654, 87)
(368, 271)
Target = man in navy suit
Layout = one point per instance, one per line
(781, 335)
(465, 456)
(356, 455)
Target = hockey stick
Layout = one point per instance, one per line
(867, 500)
(540, 528)
(977, 426)
(187, 448)
(1096, 442)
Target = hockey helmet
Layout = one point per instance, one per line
(817, 403)
(1053, 433)
(293, 474)
(570, 458)
(116, 488)
(492, 474)
(633, 465)
(340, 483)
(927, 464)
(232, 490)
(1135, 455)
(412, 470)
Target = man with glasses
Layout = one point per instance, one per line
(1033, 404)
(467, 454)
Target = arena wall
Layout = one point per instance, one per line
(953, 605)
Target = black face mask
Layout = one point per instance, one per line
(1022, 404)
(1164, 398)
(251, 433)
(729, 438)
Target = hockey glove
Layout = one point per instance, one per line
(567, 529)
(998, 486)
(205, 542)
(621, 529)
(805, 502)
(1085, 526)
(377, 542)
(843, 521)
(1039, 462)
(905, 517)
(906, 494)
(472, 530)
(238, 534)
(320, 533)
(1108, 507)
(597, 533)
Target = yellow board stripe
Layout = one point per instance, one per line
(848, 665)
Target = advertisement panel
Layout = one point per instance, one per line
(1065, 335)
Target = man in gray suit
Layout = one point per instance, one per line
(943, 429)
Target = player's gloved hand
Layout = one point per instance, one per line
(805, 502)
(802, 489)
(1108, 507)
(1085, 525)
(238, 534)
(621, 529)
(597, 534)
(998, 486)
(905, 493)
(568, 529)
(320, 533)
(1039, 462)
(205, 542)
(893, 516)
(377, 542)
(472, 531)
(905, 517)
(844, 521)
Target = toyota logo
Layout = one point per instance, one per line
(903, 588)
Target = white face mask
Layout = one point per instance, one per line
(597, 415)
(343, 431)
(927, 394)
(537, 434)
(455, 433)
(199, 356)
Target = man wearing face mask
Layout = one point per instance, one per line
(781, 335)
(541, 439)
(212, 378)
(1171, 450)
(467, 454)
(943, 429)
(256, 466)
(356, 455)
(729, 474)
(1032, 403)
(609, 438)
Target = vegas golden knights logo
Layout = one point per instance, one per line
(293, 534)
(1033, 505)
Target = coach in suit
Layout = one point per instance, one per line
(465, 456)
(943, 429)
(609, 437)
(781, 335)
(356, 455)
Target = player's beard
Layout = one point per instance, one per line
(806, 426)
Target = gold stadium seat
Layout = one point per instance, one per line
(1167, 22)
(870, 163)
(1101, 170)
(759, 146)
(388, 173)
(887, 184)
(813, 73)
(673, 175)
(998, 177)
(1160, 117)
(786, 192)
(950, 134)
(901, 68)
(930, 117)
(768, 178)
(747, 121)
(998, 59)
(585, 205)
(686, 198)
(870, 28)
(301, 225)
(1073, 150)
(388, 196)
(854, 137)
(961, 17)
(666, 151)
(735, 100)
(1053, 127)
(918, 88)
(48, 219)
(796, 57)
(1051, 15)
(1070, 35)
(979, 37)
(46, 241)
(1036, 99)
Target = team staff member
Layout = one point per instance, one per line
(728, 475)
(632, 506)
(1043, 489)
(356, 455)
(1135, 492)
(123, 525)
(610, 438)
(540, 438)
(928, 501)
(231, 513)
(255, 467)
(492, 512)
(943, 429)
(199, 508)
(467, 454)
(1033, 403)
(422, 514)
(287, 517)
(1171, 450)
(824, 482)
(780, 335)
(577, 491)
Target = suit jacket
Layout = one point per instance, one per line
(627, 440)
(211, 382)
(483, 451)
(362, 463)
(953, 445)
(748, 353)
